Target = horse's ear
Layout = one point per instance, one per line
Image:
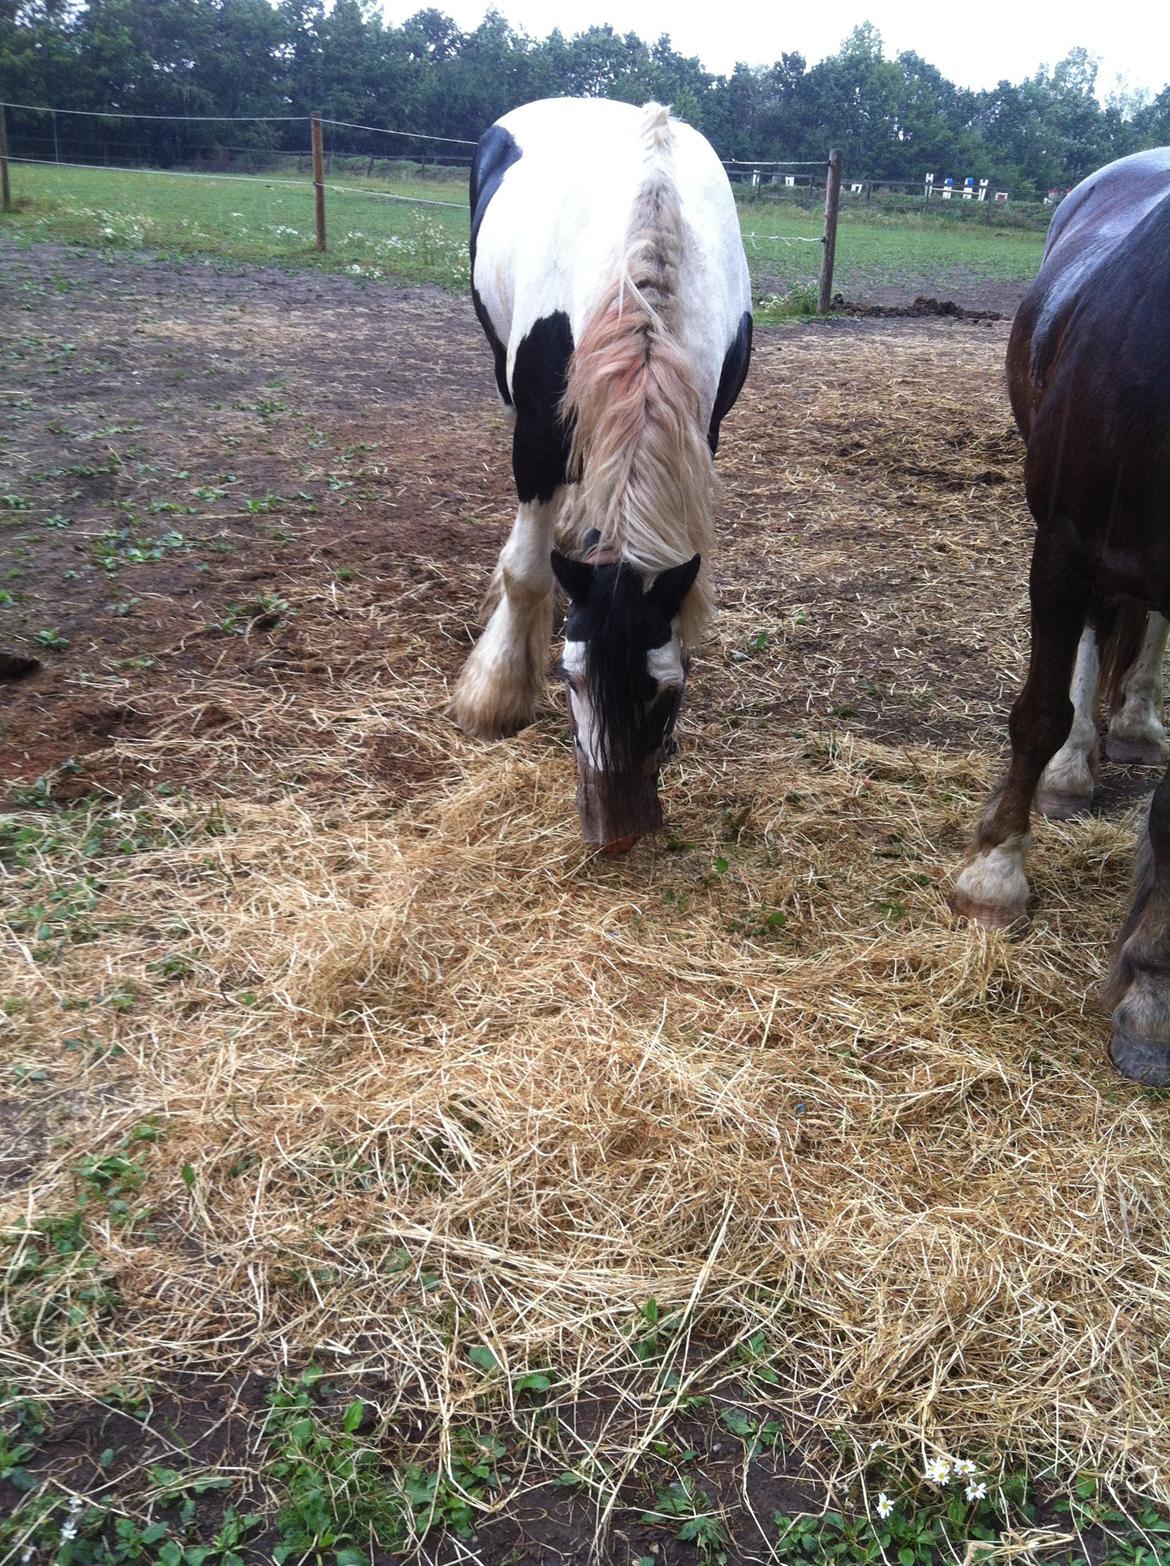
(672, 586)
(575, 576)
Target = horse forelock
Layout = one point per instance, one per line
(619, 631)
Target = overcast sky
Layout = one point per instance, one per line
(974, 45)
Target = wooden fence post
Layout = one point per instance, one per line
(829, 238)
(5, 192)
(319, 179)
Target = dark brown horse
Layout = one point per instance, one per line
(1089, 377)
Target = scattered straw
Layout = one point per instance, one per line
(429, 1075)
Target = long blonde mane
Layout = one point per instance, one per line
(646, 474)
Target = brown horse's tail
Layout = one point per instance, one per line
(1120, 637)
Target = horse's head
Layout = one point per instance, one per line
(625, 670)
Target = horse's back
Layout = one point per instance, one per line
(1105, 248)
(553, 190)
(1103, 208)
(1089, 374)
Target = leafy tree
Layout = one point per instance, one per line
(893, 118)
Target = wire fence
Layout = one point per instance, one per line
(410, 172)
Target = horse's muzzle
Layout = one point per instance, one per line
(617, 808)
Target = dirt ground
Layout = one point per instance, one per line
(187, 450)
(223, 493)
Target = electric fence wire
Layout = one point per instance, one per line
(382, 130)
(344, 190)
(118, 114)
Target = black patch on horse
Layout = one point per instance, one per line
(540, 441)
(496, 153)
(494, 156)
(620, 623)
(731, 378)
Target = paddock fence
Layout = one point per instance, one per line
(385, 201)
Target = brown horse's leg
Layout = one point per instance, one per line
(1140, 982)
(993, 886)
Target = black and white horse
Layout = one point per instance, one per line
(609, 276)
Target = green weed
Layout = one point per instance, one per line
(59, 1292)
(51, 638)
(694, 1510)
(334, 1499)
(260, 613)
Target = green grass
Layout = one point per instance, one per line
(270, 219)
(250, 219)
(876, 246)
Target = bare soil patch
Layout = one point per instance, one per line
(335, 427)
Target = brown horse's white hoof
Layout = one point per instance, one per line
(993, 889)
(1062, 807)
(1142, 1060)
(1067, 783)
(1147, 747)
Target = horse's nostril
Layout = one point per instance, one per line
(620, 845)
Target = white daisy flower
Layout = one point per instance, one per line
(937, 1470)
(884, 1506)
(964, 1468)
(976, 1492)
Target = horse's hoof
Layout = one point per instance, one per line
(1137, 751)
(1062, 807)
(989, 916)
(1142, 1060)
(992, 889)
(487, 716)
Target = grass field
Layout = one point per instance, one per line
(383, 230)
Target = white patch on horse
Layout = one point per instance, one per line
(1066, 786)
(664, 664)
(559, 222)
(573, 659)
(584, 724)
(1136, 732)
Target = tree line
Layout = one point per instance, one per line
(893, 118)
